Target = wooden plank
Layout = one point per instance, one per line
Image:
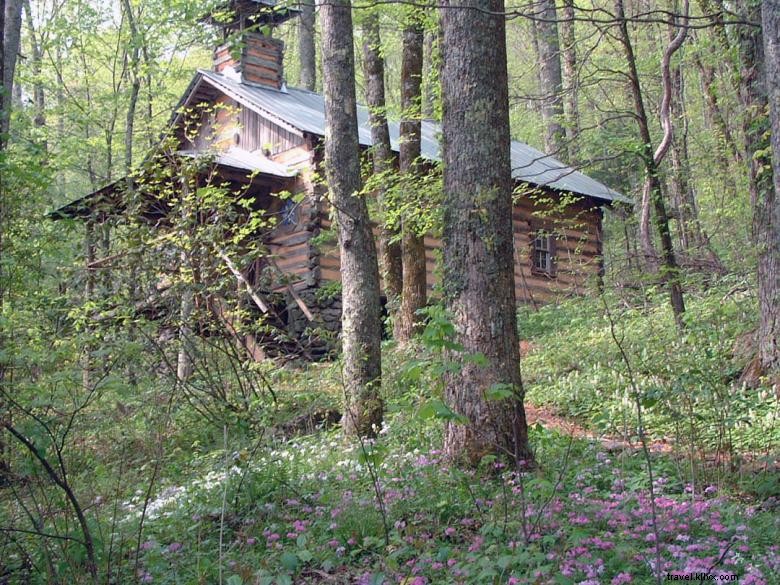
(290, 251)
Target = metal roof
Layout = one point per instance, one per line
(305, 111)
(238, 158)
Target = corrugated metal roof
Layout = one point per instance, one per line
(305, 111)
(239, 158)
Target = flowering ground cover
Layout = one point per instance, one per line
(310, 512)
(317, 509)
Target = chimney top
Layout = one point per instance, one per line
(248, 53)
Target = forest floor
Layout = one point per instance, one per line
(312, 508)
(250, 481)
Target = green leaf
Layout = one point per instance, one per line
(504, 562)
(289, 561)
(478, 359)
(500, 391)
(235, 580)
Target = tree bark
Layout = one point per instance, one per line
(382, 156)
(360, 320)
(570, 79)
(39, 96)
(12, 28)
(478, 236)
(5, 467)
(551, 80)
(135, 84)
(430, 75)
(768, 206)
(652, 191)
(306, 48)
(415, 288)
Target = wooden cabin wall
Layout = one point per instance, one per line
(228, 124)
(258, 133)
(299, 222)
(577, 231)
(217, 125)
(578, 250)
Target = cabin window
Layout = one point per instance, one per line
(289, 213)
(543, 254)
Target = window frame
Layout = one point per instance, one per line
(538, 233)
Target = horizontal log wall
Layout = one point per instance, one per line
(289, 244)
(576, 229)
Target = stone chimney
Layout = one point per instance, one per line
(249, 54)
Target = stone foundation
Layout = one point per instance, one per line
(321, 334)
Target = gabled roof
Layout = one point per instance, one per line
(234, 158)
(304, 111)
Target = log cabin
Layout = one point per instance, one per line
(266, 136)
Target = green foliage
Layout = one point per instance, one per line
(688, 384)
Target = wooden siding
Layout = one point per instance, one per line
(228, 124)
(261, 60)
(216, 127)
(258, 133)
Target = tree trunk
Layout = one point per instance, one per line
(184, 359)
(135, 85)
(652, 192)
(39, 98)
(430, 76)
(414, 294)
(570, 79)
(714, 112)
(551, 80)
(478, 236)
(12, 28)
(360, 319)
(684, 200)
(382, 155)
(306, 48)
(768, 207)
(5, 467)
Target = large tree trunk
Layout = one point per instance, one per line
(570, 78)
(360, 321)
(414, 294)
(382, 156)
(551, 80)
(12, 28)
(306, 48)
(768, 208)
(478, 237)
